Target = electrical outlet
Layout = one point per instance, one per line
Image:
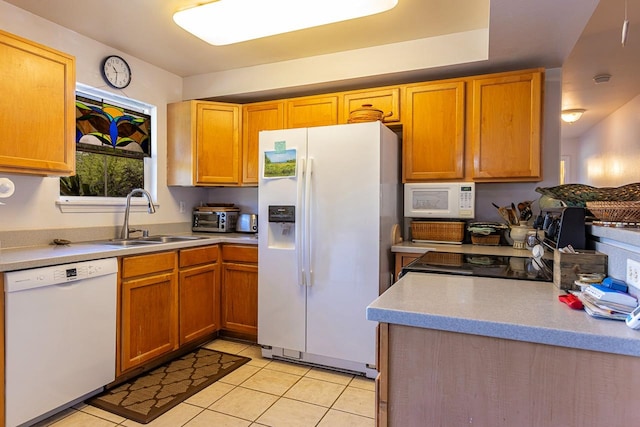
(633, 273)
(181, 206)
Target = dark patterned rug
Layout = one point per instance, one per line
(150, 395)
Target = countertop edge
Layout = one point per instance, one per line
(42, 256)
(524, 333)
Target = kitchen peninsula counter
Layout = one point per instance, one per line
(458, 350)
(20, 258)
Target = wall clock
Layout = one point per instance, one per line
(116, 72)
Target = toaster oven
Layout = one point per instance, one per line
(214, 219)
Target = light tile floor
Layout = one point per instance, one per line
(262, 392)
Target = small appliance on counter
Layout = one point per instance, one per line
(562, 227)
(215, 219)
(247, 223)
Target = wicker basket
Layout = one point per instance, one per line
(490, 239)
(444, 258)
(615, 211)
(437, 231)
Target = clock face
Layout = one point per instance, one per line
(116, 72)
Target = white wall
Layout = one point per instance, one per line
(608, 155)
(457, 48)
(33, 204)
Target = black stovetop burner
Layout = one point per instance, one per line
(498, 266)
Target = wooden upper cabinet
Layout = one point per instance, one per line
(255, 118)
(37, 108)
(386, 100)
(505, 127)
(203, 143)
(312, 111)
(433, 131)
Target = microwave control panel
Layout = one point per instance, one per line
(467, 202)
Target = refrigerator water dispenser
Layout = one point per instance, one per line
(281, 232)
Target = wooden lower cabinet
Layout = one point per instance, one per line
(240, 290)
(438, 378)
(149, 308)
(403, 259)
(175, 300)
(199, 295)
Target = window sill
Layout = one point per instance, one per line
(100, 204)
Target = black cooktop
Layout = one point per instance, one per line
(498, 266)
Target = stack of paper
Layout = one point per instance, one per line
(601, 301)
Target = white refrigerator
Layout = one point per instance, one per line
(328, 198)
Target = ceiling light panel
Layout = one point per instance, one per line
(572, 115)
(225, 22)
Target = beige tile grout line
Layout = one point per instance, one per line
(260, 368)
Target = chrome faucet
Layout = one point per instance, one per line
(124, 234)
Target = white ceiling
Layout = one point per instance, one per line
(599, 51)
(522, 34)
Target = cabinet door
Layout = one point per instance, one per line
(149, 318)
(37, 108)
(505, 135)
(312, 111)
(433, 132)
(403, 259)
(199, 302)
(240, 298)
(386, 100)
(257, 117)
(217, 156)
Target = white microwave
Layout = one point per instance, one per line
(440, 200)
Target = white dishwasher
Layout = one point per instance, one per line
(60, 336)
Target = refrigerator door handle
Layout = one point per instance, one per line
(307, 221)
(298, 229)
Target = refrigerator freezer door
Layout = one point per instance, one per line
(281, 295)
(345, 238)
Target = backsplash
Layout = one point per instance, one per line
(22, 238)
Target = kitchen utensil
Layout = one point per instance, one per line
(503, 213)
(513, 217)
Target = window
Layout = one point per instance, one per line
(113, 137)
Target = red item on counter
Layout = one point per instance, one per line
(572, 301)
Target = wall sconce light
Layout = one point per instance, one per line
(225, 22)
(573, 115)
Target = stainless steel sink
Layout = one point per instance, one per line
(150, 240)
(169, 239)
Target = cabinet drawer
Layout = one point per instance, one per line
(196, 256)
(240, 253)
(141, 265)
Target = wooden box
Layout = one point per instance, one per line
(567, 267)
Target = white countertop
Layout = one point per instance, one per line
(510, 309)
(40, 256)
